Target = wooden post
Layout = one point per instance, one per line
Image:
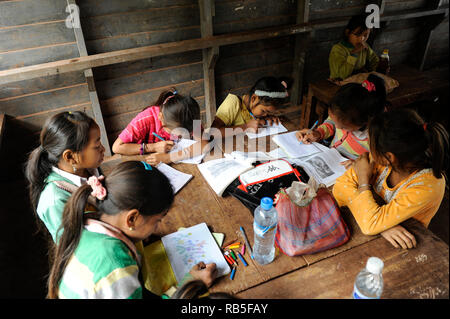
(210, 56)
(96, 109)
(301, 44)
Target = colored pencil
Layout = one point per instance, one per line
(231, 259)
(162, 139)
(242, 259)
(243, 249)
(232, 247)
(246, 241)
(231, 262)
(232, 273)
(233, 255)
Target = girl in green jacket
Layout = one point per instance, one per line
(70, 150)
(353, 55)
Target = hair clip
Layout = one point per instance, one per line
(98, 190)
(368, 85)
(147, 166)
(168, 98)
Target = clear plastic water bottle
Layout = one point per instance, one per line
(264, 227)
(369, 282)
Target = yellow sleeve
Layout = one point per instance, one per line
(229, 109)
(341, 63)
(373, 218)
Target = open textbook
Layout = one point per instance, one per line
(324, 166)
(293, 147)
(220, 173)
(177, 179)
(268, 130)
(185, 248)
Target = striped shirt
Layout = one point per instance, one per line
(349, 144)
(141, 128)
(101, 267)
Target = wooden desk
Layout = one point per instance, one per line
(414, 86)
(311, 276)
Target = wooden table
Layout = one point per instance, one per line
(414, 86)
(329, 274)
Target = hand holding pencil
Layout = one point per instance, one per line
(308, 136)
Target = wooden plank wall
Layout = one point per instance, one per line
(400, 37)
(33, 32)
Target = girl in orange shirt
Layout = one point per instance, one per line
(407, 171)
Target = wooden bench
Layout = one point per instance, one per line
(414, 86)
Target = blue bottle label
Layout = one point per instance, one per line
(358, 295)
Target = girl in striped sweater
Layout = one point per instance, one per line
(96, 256)
(348, 114)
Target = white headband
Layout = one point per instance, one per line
(276, 95)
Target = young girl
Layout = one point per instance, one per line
(70, 150)
(150, 131)
(96, 256)
(252, 110)
(348, 114)
(353, 55)
(409, 159)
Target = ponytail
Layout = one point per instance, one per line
(71, 227)
(437, 152)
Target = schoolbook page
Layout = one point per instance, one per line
(188, 247)
(293, 147)
(325, 166)
(268, 130)
(219, 173)
(184, 143)
(177, 179)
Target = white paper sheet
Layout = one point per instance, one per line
(187, 247)
(293, 147)
(177, 179)
(183, 143)
(268, 130)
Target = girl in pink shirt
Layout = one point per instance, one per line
(170, 115)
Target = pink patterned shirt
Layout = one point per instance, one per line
(141, 128)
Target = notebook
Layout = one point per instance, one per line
(293, 147)
(268, 130)
(185, 248)
(177, 179)
(184, 143)
(220, 173)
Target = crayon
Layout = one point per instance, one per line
(232, 246)
(232, 273)
(242, 259)
(246, 241)
(230, 262)
(229, 243)
(243, 249)
(233, 255)
(231, 259)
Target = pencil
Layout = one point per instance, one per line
(232, 273)
(243, 249)
(162, 139)
(231, 259)
(313, 127)
(242, 259)
(246, 241)
(233, 255)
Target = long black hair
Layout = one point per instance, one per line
(130, 185)
(356, 104)
(415, 144)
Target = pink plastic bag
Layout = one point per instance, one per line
(309, 229)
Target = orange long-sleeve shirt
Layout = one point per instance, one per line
(418, 196)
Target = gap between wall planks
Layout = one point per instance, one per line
(81, 44)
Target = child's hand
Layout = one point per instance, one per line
(163, 146)
(363, 168)
(204, 272)
(399, 236)
(347, 164)
(156, 158)
(252, 125)
(307, 137)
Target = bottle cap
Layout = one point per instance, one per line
(374, 265)
(266, 203)
(385, 51)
